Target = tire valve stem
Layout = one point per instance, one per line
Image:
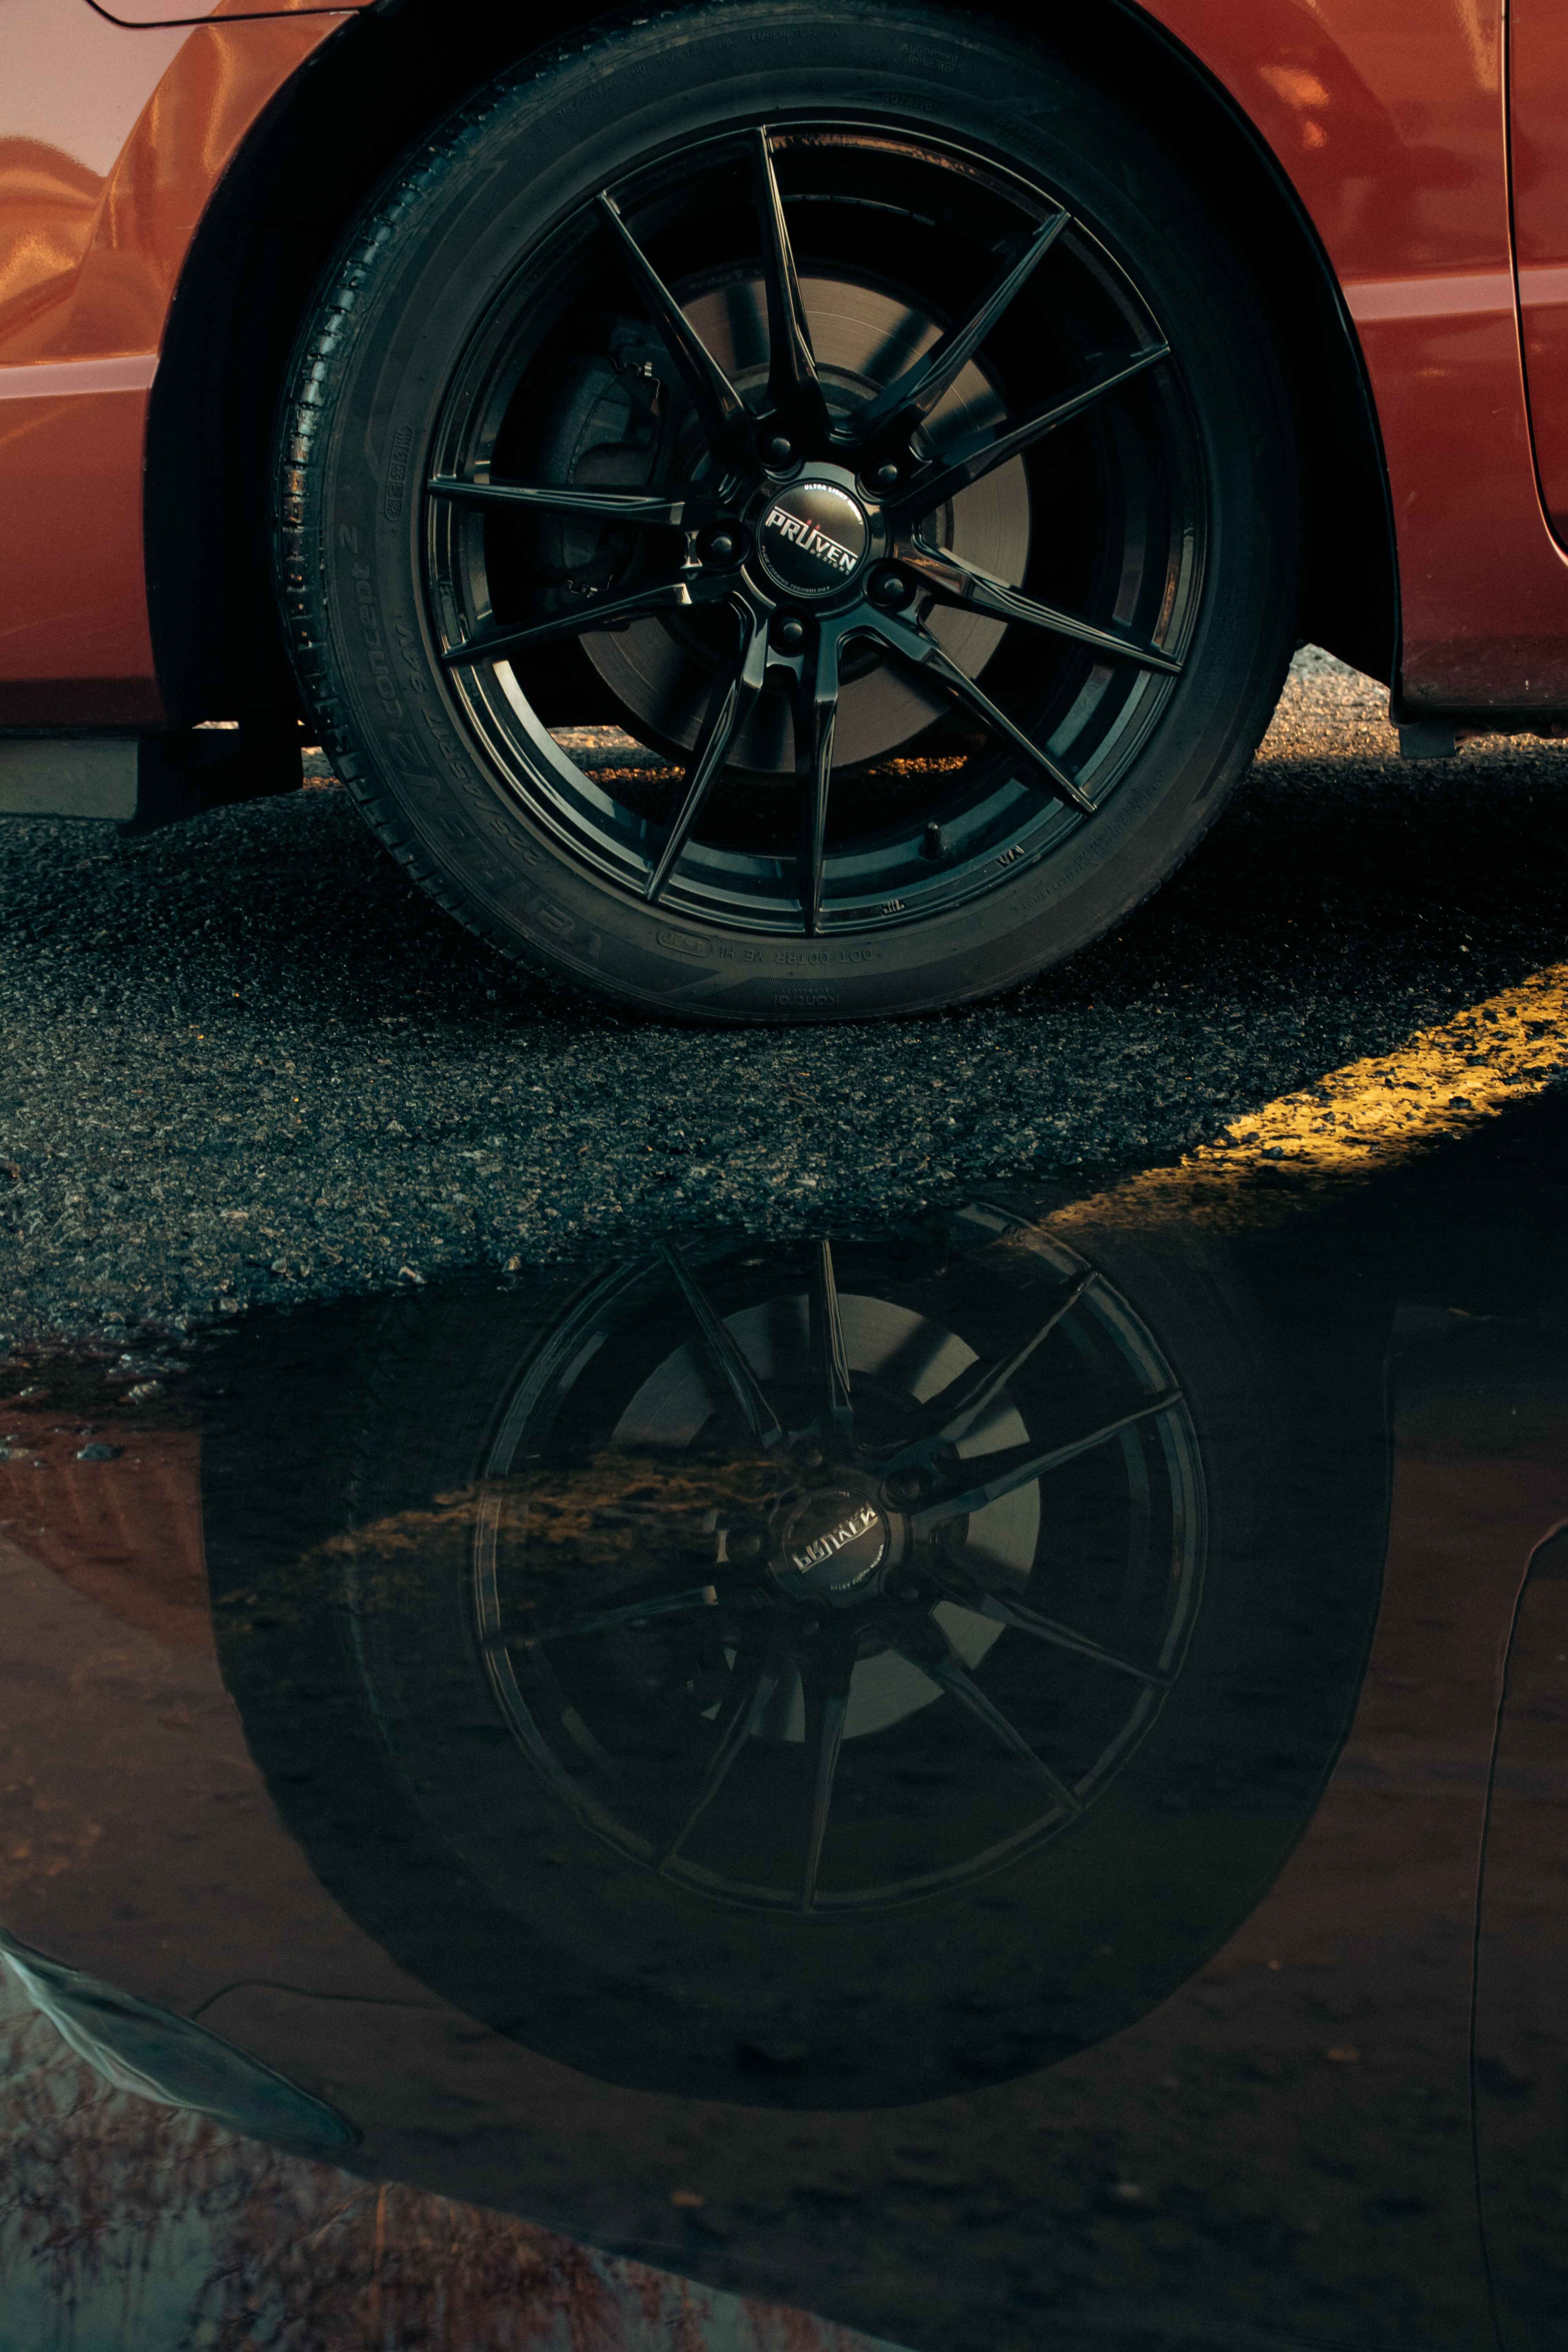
(934, 845)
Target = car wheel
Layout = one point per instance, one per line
(823, 1677)
(853, 414)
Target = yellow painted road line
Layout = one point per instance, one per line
(1443, 1083)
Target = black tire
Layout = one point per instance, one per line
(1173, 521)
(462, 321)
(950, 1947)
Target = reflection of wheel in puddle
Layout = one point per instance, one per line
(808, 1678)
(816, 1598)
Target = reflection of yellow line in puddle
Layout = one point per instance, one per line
(1442, 1084)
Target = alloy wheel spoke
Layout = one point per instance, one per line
(757, 1673)
(1022, 1467)
(943, 479)
(628, 1613)
(955, 1410)
(600, 612)
(649, 508)
(794, 391)
(725, 420)
(725, 1352)
(727, 713)
(905, 404)
(951, 1675)
(951, 581)
(825, 1681)
(816, 710)
(1004, 1610)
(916, 646)
(828, 1352)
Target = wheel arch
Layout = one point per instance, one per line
(364, 101)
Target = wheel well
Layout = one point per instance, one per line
(364, 99)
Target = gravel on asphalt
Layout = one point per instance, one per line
(245, 1060)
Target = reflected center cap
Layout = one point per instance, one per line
(812, 539)
(832, 1542)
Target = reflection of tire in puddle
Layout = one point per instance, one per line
(819, 1676)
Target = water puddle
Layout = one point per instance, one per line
(937, 1779)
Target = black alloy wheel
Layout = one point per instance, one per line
(915, 503)
(813, 520)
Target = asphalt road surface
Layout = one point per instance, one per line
(245, 1061)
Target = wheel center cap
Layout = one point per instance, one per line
(831, 1543)
(812, 539)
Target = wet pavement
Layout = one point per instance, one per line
(994, 1772)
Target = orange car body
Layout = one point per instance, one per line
(1442, 224)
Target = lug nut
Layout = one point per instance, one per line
(890, 587)
(888, 477)
(743, 1547)
(789, 632)
(779, 449)
(720, 546)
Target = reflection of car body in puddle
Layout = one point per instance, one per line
(818, 1678)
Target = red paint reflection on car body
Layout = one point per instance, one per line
(1387, 117)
